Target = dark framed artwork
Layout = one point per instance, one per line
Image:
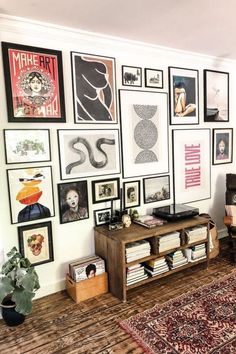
(102, 216)
(30, 193)
(131, 192)
(131, 76)
(73, 201)
(191, 165)
(153, 78)
(86, 153)
(35, 242)
(144, 127)
(222, 146)
(94, 88)
(27, 145)
(216, 96)
(156, 189)
(105, 190)
(34, 84)
(184, 96)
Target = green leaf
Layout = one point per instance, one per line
(23, 300)
(5, 287)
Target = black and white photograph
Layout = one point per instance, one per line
(131, 76)
(86, 153)
(153, 78)
(222, 146)
(131, 192)
(102, 216)
(105, 190)
(156, 189)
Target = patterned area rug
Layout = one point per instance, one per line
(202, 321)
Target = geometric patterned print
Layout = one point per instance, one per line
(202, 321)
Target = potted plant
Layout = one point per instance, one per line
(18, 283)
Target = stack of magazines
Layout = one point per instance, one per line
(86, 268)
(176, 259)
(149, 221)
(196, 233)
(169, 241)
(135, 274)
(156, 266)
(136, 250)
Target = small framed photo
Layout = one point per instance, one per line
(216, 96)
(131, 192)
(222, 146)
(27, 145)
(34, 84)
(105, 190)
(153, 78)
(102, 216)
(35, 242)
(73, 201)
(184, 96)
(156, 189)
(131, 76)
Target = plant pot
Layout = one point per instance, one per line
(10, 315)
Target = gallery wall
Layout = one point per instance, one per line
(73, 240)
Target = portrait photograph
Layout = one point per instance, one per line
(87, 153)
(131, 194)
(184, 96)
(35, 242)
(131, 76)
(73, 201)
(94, 88)
(216, 96)
(105, 190)
(156, 189)
(102, 216)
(34, 84)
(222, 146)
(153, 78)
(30, 193)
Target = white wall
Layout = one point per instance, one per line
(74, 240)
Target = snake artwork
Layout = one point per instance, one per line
(94, 163)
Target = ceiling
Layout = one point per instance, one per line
(202, 26)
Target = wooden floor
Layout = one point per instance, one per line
(58, 325)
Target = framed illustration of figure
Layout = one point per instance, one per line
(94, 88)
(216, 96)
(34, 83)
(183, 91)
(222, 146)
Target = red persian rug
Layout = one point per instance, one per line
(202, 321)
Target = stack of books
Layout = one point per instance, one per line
(156, 266)
(196, 233)
(135, 274)
(176, 259)
(136, 250)
(198, 252)
(169, 241)
(87, 267)
(149, 221)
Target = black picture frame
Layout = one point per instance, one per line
(131, 194)
(222, 151)
(102, 216)
(153, 78)
(34, 84)
(156, 189)
(131, 74)
(106, 190)
(35, 242)
(73, 201)
(216, 96)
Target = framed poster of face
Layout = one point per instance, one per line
(27, 145)
(34, 84)
(131, 192)
(102, 216)
(94, 88)
(105, 190)
(184, 101)
(222, 146)
(216, 96)
(156, 189)
(131, 76)
(30, 193)
(35, 242)
(191, 165)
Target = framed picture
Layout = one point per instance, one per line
(191, 165)
(73, 201)
(35, 242)
(104, 190)
(144, 126)
(30, 193)
(94, 88)
(222, 146)
(34, 84)
(102, 216)
(131, 76)
(156, 189)
(27, 145)
(216, 96)
(86, 153)
(153, 78)
(184, 96)
(131, 192)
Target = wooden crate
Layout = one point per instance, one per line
(88, 288)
